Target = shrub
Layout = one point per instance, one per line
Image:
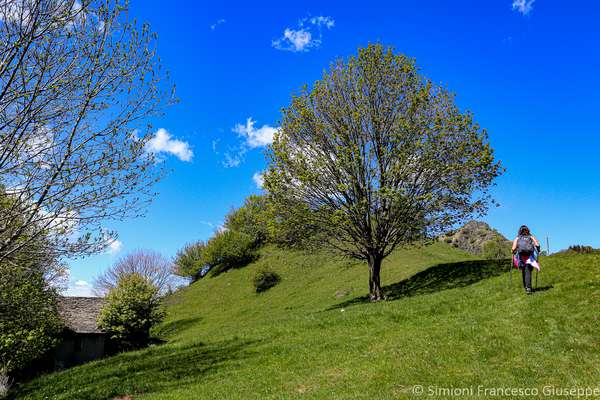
(292, 225)
(268, 222)
(265, 279)
(131, 309)
(579, 249)
(228, 250)
(29, 320)
(251, 218)
(29, 275)
(497, 249)
(188, 261)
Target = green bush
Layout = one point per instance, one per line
(132, 308)
(497, 250)
(188, 261)
(292, 225)
(251, 218)
(265, 279)
(286, 225)
(228, 250)
(29, 320)
(579, 249)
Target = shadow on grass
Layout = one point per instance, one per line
(437, 278)
(543, 288)
(177, 326)
(157, 369)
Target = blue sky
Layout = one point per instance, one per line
(528, 70)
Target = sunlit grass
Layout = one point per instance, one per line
(313, 336)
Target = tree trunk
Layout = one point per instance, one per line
(374, 277)
(4, 383)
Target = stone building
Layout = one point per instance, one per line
(82, 341)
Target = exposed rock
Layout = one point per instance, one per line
(472, 237)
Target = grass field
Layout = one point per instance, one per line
(451, 322)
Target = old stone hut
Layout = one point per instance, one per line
(82, 341)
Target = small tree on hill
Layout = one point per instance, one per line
(252, 219)
(229, 249)
(269, 222)
(149, 264)
(381, 156)
(188, 261)
(131, 309)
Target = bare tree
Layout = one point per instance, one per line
(78, 82)
(151, 265)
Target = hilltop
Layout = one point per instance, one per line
(472, 237)
(451, 321)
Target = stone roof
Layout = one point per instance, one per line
(81, 313)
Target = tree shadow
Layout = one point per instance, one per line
(437, 278)
(156, 369)
(177, 326)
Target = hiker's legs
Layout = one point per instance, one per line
(527, 269)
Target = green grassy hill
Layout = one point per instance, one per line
(452, 321)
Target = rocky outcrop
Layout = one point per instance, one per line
(472, 237)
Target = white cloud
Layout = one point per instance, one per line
(216, 227)
(258, 179)
(40, 147)
(114, 246)
(300, 40)
(219, 22)
(232, 161)
(523, 6)
(79, 288)
(255, 137)
(252, 139)
(307, 35)
(163, 142)
(321, 20)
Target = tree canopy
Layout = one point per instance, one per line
(132, 308)
(78, 82)
(149, 264)
(381, 156)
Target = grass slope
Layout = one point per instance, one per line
(453, 322)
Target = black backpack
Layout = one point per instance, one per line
(525, 244)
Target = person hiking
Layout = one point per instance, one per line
(524, 247)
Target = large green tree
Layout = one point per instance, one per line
(381, 155)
